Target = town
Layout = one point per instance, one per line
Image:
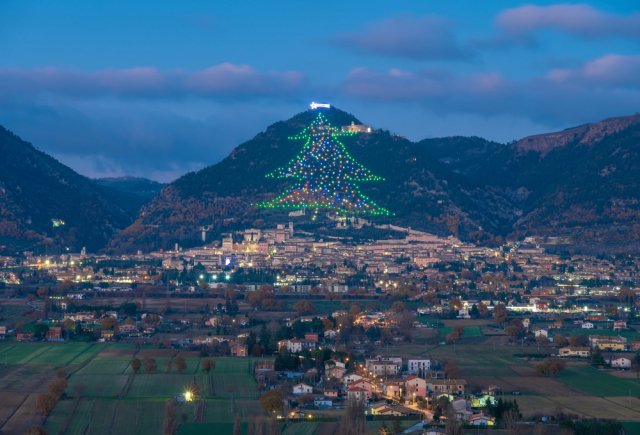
(413, 333)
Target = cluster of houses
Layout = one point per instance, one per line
(388, 385)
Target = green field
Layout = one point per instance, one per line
(467, 332)
(113, 399)
(599, 382)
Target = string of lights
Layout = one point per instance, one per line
(324, 175)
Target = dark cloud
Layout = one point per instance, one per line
(521, 24)
(223, 80)
(599, 88)
(419, 38)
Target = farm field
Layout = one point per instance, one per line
(113, 399)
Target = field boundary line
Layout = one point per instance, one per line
(15, 410)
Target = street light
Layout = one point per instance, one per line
(188, 396)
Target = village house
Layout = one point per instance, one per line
(447, 386)
(393, 389)
(295, 345)
(54, 334)
(357, 393)
(107, 334)
(587, 325)
(418, 366)
(481, 420)
(302, 388)
(618, 361)
(384, 366)
(415, 387)
(540, 332)
(238, 349)
(363, 384)
(577, 352)
(619, 325)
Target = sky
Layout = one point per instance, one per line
(158, 88)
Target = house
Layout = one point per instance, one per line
(618, 361)
(3, 332)
(384, 366)
(393, 389)
(362, 383)
(577, 352)
(540, 332)
(383, 408)
(462, 408)
(239, 350)
(295, 345)
(587, 325)
(24, 336)
(619, 325)
(418, 366)
(335, 372)
(350, 378)
(357, 393)
(311, 337)
(330, 393)
(415, 387)
(635, 345)
(447, 386)
(330, 334)
(54, 334)
(302, 388)
(604, 342)
(322, 402)
(481, 420)
(107, 334)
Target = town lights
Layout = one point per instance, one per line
(188, 396)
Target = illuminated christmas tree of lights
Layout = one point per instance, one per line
(324, 175)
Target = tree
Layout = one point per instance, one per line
(57, 387)
(560, 340)
(451, 370)
(136, 364)
(272, 401)
(150, 365)
(324, 175)
(500, 314)
(181, 364)
(45, 403)
(304, 307)
(550, 366)
(207, 364)
(353, 419)
(169, 422)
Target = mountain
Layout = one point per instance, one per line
(583, 183)
(45, 204)
(421, 191)
(130, 193)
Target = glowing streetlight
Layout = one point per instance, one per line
(188, 396)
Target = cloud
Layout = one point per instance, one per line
(223, 80)
(151, 138)
(611, 71)
(522, 23)
(418, 38)
(594, 90)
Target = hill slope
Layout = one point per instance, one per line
(45, 203)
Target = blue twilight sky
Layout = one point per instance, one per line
(158, 88)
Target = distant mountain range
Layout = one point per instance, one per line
(581, 183)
